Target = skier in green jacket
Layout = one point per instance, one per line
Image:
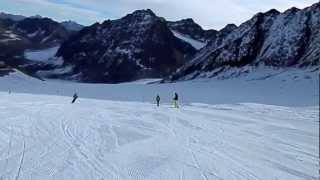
(158, 100)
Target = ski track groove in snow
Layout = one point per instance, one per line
(79, 147)
(21, 161)
(8, 152)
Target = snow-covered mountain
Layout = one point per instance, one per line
(139, 45)
(72, 26)
(276, 39)
(143, 45)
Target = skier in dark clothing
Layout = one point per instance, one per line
(158, 100)
(75, 97)
(175, 100)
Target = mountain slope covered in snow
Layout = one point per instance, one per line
(289, 39)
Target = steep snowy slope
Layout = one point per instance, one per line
(195, 43)
(46, 137)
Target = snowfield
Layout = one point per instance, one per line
(43, 55)
(116, 132)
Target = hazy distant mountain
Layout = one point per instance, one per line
(72, 26)
(193, 30)
(11, 16)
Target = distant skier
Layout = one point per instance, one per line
(75, 97)
(175, 100)
(158, 100)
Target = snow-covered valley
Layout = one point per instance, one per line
(284, 87)
(223, 130)
(43, 55)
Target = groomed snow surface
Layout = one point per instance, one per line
(45, 137)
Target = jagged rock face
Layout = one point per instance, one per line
(139, 45)
(11, 43)
(294, 39)
(192, 29)
(272, 38)
(311, 56)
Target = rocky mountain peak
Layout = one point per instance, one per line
(292, 10)
(141, 15)
(272, 12)
(187, 21)
(228, 28)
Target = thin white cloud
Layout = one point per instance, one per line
(208, 13)
(59, 12)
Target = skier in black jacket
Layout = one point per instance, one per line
(75, 97)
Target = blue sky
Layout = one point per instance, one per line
(208, 13)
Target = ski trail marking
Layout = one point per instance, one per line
(182, 175)
(21, 161)
(8, 154)
(198, 166)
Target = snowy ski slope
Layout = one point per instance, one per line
(43, 136)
